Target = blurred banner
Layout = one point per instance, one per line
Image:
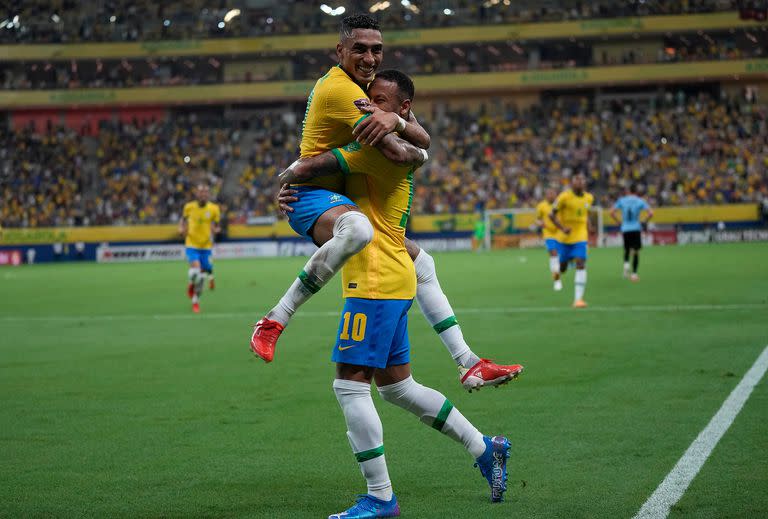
(469, 34)
(432, 84)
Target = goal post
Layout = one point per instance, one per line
(516, 228)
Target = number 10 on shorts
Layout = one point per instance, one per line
(358, 322)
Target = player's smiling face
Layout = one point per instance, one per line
(386, 96)
(360, 55)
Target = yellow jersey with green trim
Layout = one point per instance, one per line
(573, 211)
(330, 117)
(543, 210)
(199, 219)
(384, 192)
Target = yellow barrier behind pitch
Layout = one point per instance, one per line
(418, 224)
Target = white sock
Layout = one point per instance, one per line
(351, 233)
(554, 265)
(365, 434)
(438, 312)
(192, 274)
(626, 267)
(435, 410)
(580, 284)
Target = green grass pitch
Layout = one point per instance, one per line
(118, 402)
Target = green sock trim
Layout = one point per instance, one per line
(308, 283)
(445, 324)
(369, 454)
(442, 416)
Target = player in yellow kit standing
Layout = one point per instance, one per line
(379, 284)
(199, 223)
(570, 214)
(549, 234)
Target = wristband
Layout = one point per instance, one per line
(424, 155)
(400, 124)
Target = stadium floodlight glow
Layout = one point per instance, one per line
(448, 12)
(187, 159)
(379, 6)
(112, 19)
(3, 24)
(221, 25)
(166, 23)
(55, 18)
(333, 11)
(231, 14)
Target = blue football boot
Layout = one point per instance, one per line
(369, 507)
(493, 465)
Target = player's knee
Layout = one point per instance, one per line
(398, 392)
(354, 230)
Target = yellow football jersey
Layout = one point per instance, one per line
(543, 210)
(573, 211)
(384, 192)
(330, 117)
(199, 234)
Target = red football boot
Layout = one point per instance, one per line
(487, 373)
(191, 290)
(264, 338)
(196, 308)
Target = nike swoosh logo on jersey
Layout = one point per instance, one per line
(342, 348)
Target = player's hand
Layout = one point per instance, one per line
(372, 129)
(285, 197)
(288, 176)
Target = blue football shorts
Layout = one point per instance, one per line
(569, 251)
(313, 202)
(551, 244)
(373, 332)
(201, 255)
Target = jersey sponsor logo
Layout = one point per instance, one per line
(334, 198)
(352, 146)
(352, 285)
(342, 348)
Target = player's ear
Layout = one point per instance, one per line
(405, 109)
(339, 48)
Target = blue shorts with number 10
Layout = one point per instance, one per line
(373, 332)
(313, 202)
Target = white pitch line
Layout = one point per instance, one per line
(676, 483)
(336, 313)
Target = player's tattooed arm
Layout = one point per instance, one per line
(402, 152)
(372, 129)
(304, 170)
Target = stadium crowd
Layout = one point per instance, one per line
(702, 150)
(145, 173)
(42, 179)
(678, 150)
(66, 21)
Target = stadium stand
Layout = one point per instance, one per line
(425, 60)
(64, 21)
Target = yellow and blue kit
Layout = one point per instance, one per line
(379, 282)
(549, 230)
(573, 211)
(199, 240)
(328, 123)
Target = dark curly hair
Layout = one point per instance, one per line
(357, 21)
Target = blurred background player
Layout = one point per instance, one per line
(549, 234)
(570, 214)
(198, 225)
(632, 207)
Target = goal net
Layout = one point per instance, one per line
(516, 228)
